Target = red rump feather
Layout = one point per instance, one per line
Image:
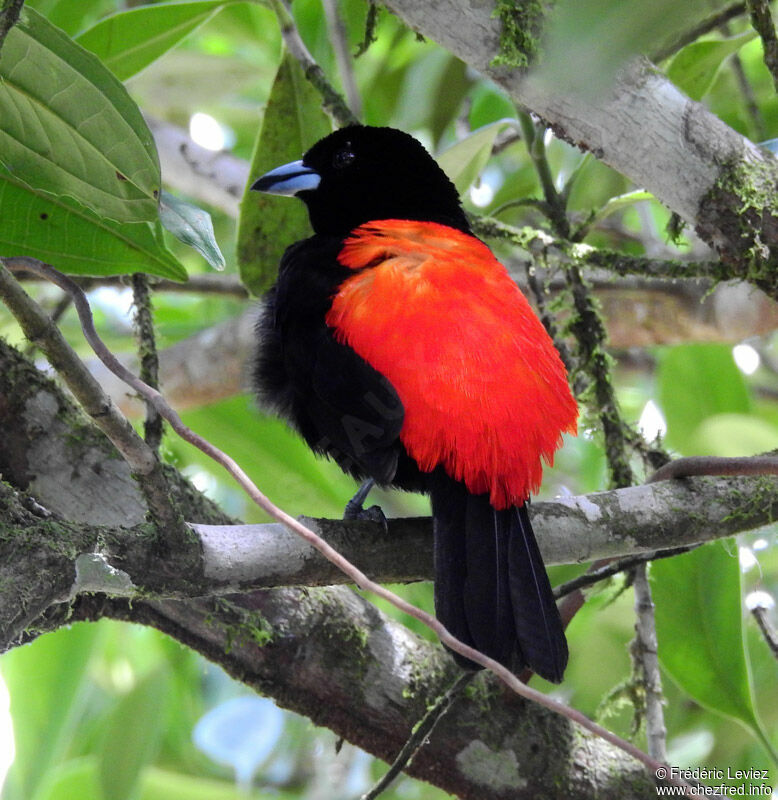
(485, 392)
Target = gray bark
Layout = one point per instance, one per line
(642, 126)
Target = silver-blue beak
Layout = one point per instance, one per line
(290, 179)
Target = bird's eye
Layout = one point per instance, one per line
(343, 157)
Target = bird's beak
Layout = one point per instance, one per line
(290, 179)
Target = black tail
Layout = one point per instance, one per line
(491, 588)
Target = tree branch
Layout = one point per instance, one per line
(210, 365)
(51, 454)
(714, 21)
(38, 328)
(645, 649)
(214, 639)
(357, 576)
(642, 126)
(333, 103)
(762, 23)
(143, 319)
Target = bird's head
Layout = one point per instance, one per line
(360, 174)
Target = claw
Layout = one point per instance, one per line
(355, 507)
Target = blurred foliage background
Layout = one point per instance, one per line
(110, 711)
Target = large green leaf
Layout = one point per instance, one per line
(70, 16)
(699, 623)
(77, 241)
(129, 41)
(734, 435)
(272, 455)
(46, 682)
(132, 736)
(695, 67)
(68, 128)
(697, 381)
(463, 161)
(268, 224)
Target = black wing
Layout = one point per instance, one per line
(340, 404)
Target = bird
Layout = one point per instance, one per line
(397, 345)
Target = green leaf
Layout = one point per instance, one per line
(70, 16)
(160, 784)
(268, 224)
(273, 456)
(699, 621)
(68, 128)
(78, 779)
(694, 68)
(46, 682)
(488, 104)
(463, 161)
(192, 226)
(129, 41)
(734, 435)
(132, 736)
(77, 241)
(697, 381)
(74, 778)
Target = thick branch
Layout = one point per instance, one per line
(370, 680)
(712, 177)
(55, 455)
(378, 676)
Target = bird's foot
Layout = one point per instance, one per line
(355, 507)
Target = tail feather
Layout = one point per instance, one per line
(536, 617)
(449, 508)
(491, 588)
(487, 596)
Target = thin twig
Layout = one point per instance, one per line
(539, 287)
(332, 101)
(769, 632)
(149, 360)
(762, 23)
(220, 284)
(534, 136)
(588, 328)
(611, 260)
(9, 16)
(645, 649)
(716, 465)
(38, 328)
(613, 567)
(355, 574)
(370, 35)
(339, 42)
(420, 734)
(746, 91)
(706, 26)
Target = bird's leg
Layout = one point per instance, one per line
(355, 507)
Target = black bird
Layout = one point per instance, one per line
(396, 344)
